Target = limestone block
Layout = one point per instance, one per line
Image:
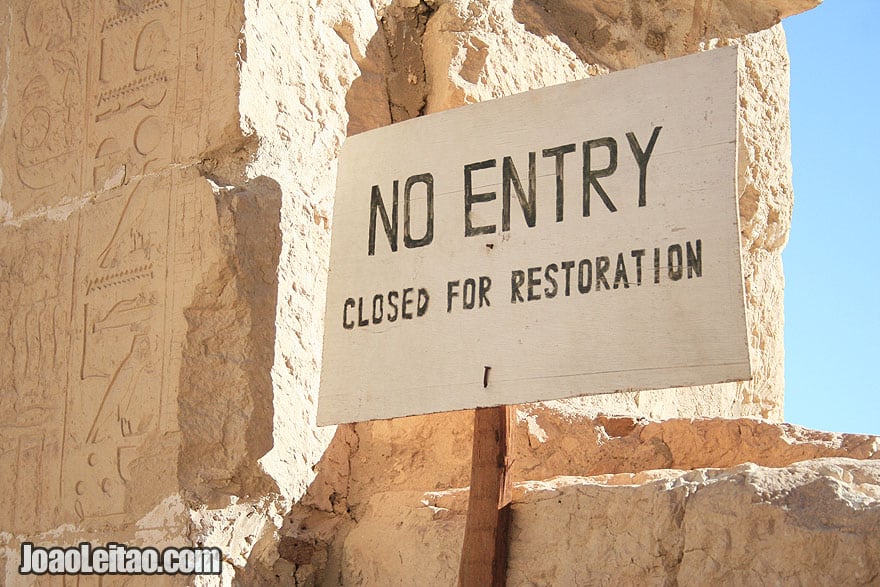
(93, 402)
(98, 93)
(813, 521)
(167, 170)
(433, 453)
(127, 274)
(624, 34)
(478, 50)
(626, 445)
(113, 405)
(301, 61)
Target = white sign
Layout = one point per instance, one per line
(573, 240)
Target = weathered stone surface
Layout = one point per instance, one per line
(166, 182)
(127, 274)
(414, 456)
(476, 50)
(813, 521)
(226, 411)
(625, 34)
(98, 93)
(625, 445)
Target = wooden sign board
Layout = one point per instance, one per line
(573, 240)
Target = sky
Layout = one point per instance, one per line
(832, 320)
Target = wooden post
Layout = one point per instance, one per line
(484, 552)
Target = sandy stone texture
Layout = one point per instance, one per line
(812, 522)
(167, 170)
(137, 322)
(545, 447)
(620, 450)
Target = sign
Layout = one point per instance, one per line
(573, 240)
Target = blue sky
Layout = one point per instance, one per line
(832, 321)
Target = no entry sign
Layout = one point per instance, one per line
(573, 240)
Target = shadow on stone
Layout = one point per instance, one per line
(226, 398)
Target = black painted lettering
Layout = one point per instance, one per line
(485, 286)
(407, 301)
(408, 241)
(674, 258)
(389, 224)
(591, 176)
(642, 158)
(451, 292)
(422, 305)
(349, 303)
(392, 303)
(656, 265)
(550, 292)
(559, 153)
(378, 309)
(567, 267)
(695, 258)
(602, 265)
(620, 273)
(469, 294)
(510, 177)
(534, 283)
(585, 277)
(637, 255)
(470, 198)
(361, 320)
(517, 279)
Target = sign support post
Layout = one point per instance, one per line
(484, 551)
(460, 241)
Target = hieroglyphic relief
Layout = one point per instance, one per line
(43, 136)
(135, 252)
(92, 91)
(132, 91)
(121, 254)
(127, 313)
(106, 98)
(36, 274)
(120, 290)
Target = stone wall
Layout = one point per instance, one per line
(111, 241)
(813, 522)
(167, 170)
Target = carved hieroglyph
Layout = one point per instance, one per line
(126, 333)
(106, 105)
(104, 100)
(34, 332)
